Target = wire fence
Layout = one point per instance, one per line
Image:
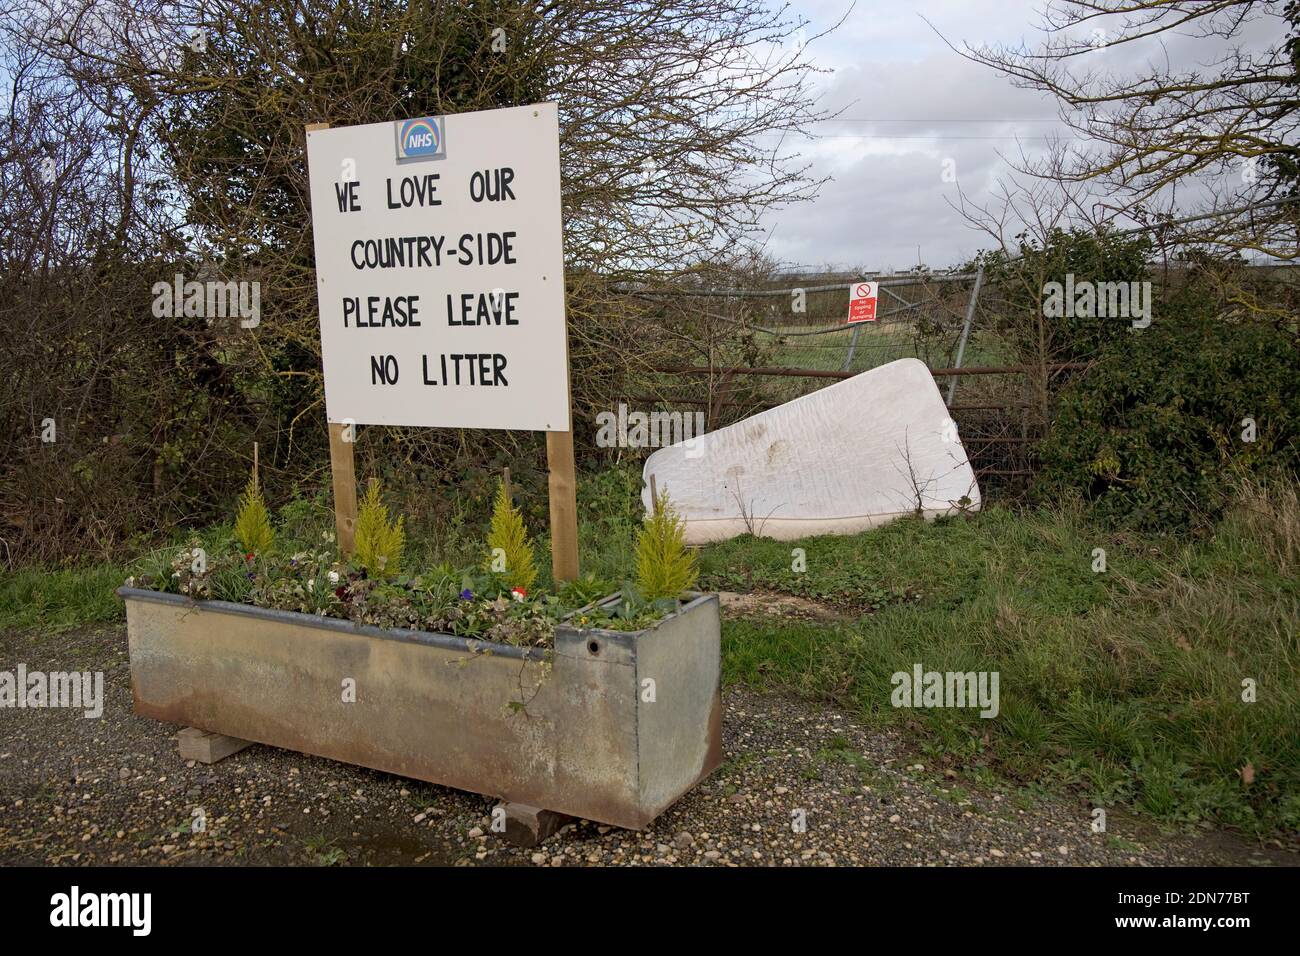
(744, 350)
(760, 347)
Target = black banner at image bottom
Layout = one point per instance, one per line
(333, 905)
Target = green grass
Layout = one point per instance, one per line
(1125, 685)
(61, 599)
(876, 345)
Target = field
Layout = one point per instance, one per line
(1125, 686)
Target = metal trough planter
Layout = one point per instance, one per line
(615, 728)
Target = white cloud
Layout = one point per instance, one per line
(907, 104)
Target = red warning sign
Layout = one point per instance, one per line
(862, 301)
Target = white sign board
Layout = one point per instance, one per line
(440, 270)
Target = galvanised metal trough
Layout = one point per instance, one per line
(615, 728)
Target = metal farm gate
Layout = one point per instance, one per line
(755, 348)
(737, 351)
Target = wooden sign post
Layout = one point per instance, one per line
(440, 277)
(563, 485)
(343, 471)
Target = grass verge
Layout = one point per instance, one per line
(1131, 685)
(61, 599)
(1126, 685)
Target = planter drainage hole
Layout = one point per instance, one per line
(593, 646)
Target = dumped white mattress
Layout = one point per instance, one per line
(848, 457)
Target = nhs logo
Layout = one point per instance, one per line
(420, 139)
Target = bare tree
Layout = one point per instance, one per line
(145, 137)
(1216, 127)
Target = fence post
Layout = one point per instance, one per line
(853, 345)
(965, 329)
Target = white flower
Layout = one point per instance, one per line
(334, 577)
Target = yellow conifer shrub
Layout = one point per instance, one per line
(379, 542)
(664, 568)
(510, 552)
(253, 528)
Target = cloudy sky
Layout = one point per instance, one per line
(908, 104)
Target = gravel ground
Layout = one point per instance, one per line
(114, 791)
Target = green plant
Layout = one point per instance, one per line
(301, 519)
(191, 571)
(379, 542)
(321, 851)
(253, 524)
(631, 612)
(509, 557)
(306, 582)
(582, 591)
(664, 568)
(231, 579)
(1157, 432)
(1018, 282)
